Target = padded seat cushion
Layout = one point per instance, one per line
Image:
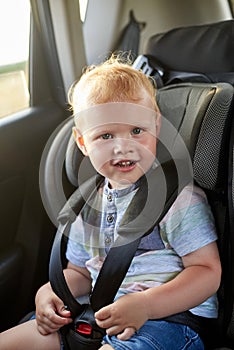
(201, 115)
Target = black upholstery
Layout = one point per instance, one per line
(201, 48)
(201, 114)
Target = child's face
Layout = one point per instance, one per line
(120, 140)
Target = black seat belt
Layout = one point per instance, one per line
(129, 40)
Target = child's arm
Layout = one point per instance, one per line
(196, 283)
(50, 311)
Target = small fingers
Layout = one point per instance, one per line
(103, 313)
(43, 329)
(114, 330)
(51, 322)
(127, 333)
(107, 323)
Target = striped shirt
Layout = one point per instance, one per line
(187, 226)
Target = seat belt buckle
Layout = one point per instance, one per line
(84, 329)
(86, 326)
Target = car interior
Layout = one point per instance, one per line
(189, 55)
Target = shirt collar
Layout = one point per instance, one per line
(117, 193)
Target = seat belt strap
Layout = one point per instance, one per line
(154, 201)
(112, 274)
(56, 276)
(68, 215)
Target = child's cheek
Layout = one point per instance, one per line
(100, 155)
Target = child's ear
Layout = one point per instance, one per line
(79, 140)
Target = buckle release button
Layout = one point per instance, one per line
(84, 329)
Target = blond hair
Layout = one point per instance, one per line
(111, 81)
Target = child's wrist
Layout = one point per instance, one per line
(147, 304)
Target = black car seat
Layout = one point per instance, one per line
(202, 114)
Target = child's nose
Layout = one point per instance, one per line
(123, 146)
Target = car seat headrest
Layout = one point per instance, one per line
(199, 112)
(201, 115)
(180, 48)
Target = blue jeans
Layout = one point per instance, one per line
(159, 335)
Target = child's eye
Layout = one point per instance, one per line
(136, 131)
(106, 136)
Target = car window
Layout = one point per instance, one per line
(83, 9)
(14, 47)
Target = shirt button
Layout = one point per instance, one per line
(108, 240)
(109, 197)
(110, 218)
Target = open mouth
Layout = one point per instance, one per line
(125, 163)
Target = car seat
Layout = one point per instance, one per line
(193, 109)
(199, 112)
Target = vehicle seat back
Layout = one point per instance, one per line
(204, 53)
(202, 114)
(204, 49)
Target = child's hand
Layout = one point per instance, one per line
(127, 333)
(124, 317)
(50, 312)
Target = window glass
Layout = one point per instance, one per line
(14, 48)
(83, 9)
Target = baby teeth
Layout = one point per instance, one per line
(125, 163)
